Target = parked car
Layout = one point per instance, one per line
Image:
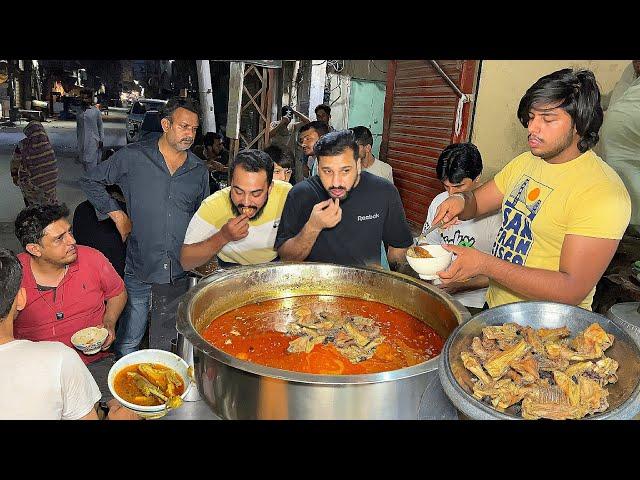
(137, 113)
(150, 126)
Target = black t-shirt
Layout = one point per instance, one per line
(102, 236)
(372, 213)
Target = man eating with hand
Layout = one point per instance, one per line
(239, 223)
(342, 214)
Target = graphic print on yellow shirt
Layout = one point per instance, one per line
(514, 240)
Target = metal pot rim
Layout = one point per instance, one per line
(192, 335)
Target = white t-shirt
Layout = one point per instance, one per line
(44, 381)
(478, 233)
(381, 169)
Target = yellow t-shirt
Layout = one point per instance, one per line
(257, 246)
(544, 202)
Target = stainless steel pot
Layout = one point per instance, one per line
(237, 389)
(624, 396)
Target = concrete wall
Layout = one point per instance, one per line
(497, 132)
(340, 88)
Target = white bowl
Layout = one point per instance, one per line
(90, 340)
(428, 267)
(161, 357)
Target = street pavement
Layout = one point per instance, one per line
(62, 135)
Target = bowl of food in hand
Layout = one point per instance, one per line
(150, 382)
(90, 340)
(531, 360)
(428, 260)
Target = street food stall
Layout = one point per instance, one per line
(219, 324)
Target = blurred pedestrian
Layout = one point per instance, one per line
(34, 167)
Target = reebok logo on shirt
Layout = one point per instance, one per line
(368, 217)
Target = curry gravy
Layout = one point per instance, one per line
(256, 333)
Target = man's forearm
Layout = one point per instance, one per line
(470, 206)
(196, 254)
(534, 283)
(298, 248)
(114, 307)
(397, 255)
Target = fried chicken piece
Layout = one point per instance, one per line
(508, 331)
(553, 334)
(532, 338)
(472, 364)
(593, 398)
(528, 368)
(568, 387)
(549, 402)
(498, 365)
(592, 342)
(578, 369)
(483, 353)
(606, 369)
(502, 394)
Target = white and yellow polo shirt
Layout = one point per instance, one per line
(257, 247)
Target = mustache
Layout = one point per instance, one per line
(240, 206)
(531, 135)
(336, 188)
(187, 139)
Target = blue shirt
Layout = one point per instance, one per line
(160, 205)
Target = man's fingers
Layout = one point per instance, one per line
(325, 204)
(448, 275)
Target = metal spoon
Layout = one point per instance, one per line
(431, 229)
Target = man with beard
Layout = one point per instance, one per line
(239, 223)
(564, 210)
(342, 214)
(68, 287)
(163, 183)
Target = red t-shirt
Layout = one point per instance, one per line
(80, 298)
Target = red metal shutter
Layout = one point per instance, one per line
(419, 115)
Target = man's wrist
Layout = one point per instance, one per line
(311, 228)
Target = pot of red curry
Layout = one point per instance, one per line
(239, 323)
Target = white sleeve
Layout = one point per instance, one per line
(198, 230)
(80, 391)
(390, 174)
(493, 224)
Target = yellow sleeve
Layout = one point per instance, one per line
(216, 208)
(603, 211)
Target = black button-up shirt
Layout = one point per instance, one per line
(160, 205)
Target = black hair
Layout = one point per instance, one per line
(211, 137)
(324, 107)
(10, 279)
(31, 222)
(362, 135)
(253, 161)
(321, 128)
(577, 94)
(174, 103)
(459, 161)
(281, 156)
(285, 110)
(335, 143)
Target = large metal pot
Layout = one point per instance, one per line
(237, 389)
(624, 396)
